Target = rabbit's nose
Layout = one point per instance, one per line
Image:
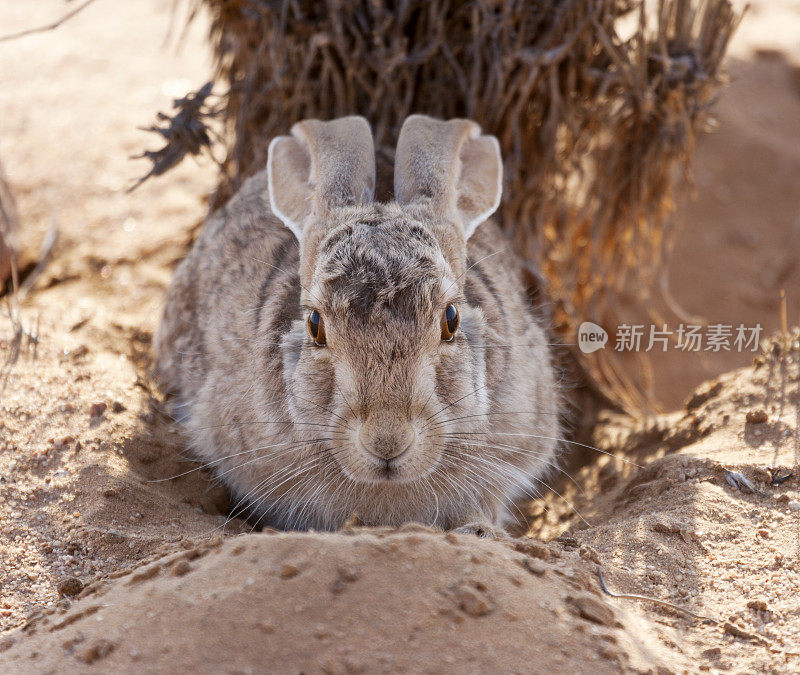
(386, 441)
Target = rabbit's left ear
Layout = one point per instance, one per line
(458, 171)
(322, 165)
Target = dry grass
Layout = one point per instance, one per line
(13, 288)
(9, 281)
(9, 224)
(597, 128)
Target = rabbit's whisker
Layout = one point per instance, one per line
(267, 457)
(477, 262)
(522, 344)
(450, 405)
(484, 482)
(264, 423)
(513, 479)
(559, 440)
(287, 474)
(308, 500)
(442, 423)
(315, 460)
(344, 398)
(520, 451)
(460, 486)
(292, 497)
(436, 503)
(522, 486)
(245, 501)
(219, 460)
(327, 410)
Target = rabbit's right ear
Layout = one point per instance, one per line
(450, 165)
(322, 165)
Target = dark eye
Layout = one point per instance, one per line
(449, 322)
(316, 327)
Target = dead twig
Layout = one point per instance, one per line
(9, 227)
(48, 27)
(634, 596)
(187, 132)
(44, 259)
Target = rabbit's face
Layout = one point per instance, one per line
(384, 362)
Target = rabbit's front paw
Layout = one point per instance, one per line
(482, 529)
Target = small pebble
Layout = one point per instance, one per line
(471, 602)
(96, 651)
(180, 568)
(70, 586)
(533, 566)
(757, 416)
(592, 609)
(97, 409)
(288, 571)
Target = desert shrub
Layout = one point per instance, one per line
(596, 103)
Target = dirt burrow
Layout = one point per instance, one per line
(176, 591)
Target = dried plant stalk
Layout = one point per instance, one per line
(9, 224)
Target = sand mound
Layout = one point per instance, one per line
(405, 601)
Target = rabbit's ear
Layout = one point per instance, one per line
(322, 165)
(450, 165)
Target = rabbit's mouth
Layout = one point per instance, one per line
(406, 463)
(391, 469)
(378, 470)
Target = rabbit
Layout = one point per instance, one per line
(333, 357)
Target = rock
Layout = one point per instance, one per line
(589, 553)
(737, 631)
(471, 602)
(96, 651)
(592, 609)
(535, 567)
(180, 567)
(70, 587)
(96, 410)
(288, 571)
(533, 548)
(757, 416)
(703, 395)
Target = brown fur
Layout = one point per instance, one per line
(387, 421)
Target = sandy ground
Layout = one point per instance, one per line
(107, 563)
(739, 239)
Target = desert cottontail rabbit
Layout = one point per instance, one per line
(335, 357)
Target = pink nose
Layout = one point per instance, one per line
(386, 439)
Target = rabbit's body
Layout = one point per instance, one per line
(386, 421)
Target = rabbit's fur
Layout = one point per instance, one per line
(387, 422)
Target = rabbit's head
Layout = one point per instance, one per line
(389, 351)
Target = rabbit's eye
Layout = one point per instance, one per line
(449, 322)
(316, 326)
